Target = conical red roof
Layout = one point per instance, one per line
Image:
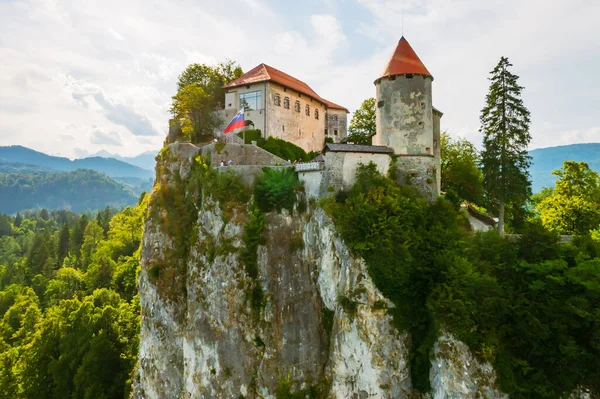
(404, 61)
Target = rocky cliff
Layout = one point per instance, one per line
(307, 320)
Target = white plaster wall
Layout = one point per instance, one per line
(353, 159)
(256, 116)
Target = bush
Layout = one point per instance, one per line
(275, 189)
(285, 150)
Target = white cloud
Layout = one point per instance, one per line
(103, 138)
(69, 65)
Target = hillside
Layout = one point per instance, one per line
(108, 166)
(78, 191)
(547, 160)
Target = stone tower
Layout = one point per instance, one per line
(405, 120)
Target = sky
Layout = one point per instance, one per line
(81, 76)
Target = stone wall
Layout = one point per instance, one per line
(419, 172)
(337, 120)
(241, 154)
(296, 127)
(341, 167)
(404, 114)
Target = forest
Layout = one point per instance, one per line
(69, 306)
(79, 190)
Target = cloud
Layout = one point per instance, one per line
(75, 63)
(100, 137)
(119, 114)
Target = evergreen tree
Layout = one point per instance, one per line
(64, 242)
(505, 127)
(78, 233)
(18, 220)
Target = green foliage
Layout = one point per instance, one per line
(528, 307)
(285, 150)
(275, 189)
(60, 337)
(80, 190)
(193, 108)
(199, 92)
(573, 206)
(252, 135)
(461, 177)
(362, 125)
(505, 127)
(210, 78)
(253, 237)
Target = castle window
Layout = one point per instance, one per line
(380, 104)
(282, 128)
(277, 100)
(286, 103)
(409, 76)
(335, 132)
(297, 106)
(307, 110)
(326, 132)
(335, 118)
(316, 113)
(393, 77)
(251, 101)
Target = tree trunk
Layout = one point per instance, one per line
(501, 219)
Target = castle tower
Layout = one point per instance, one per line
(405, 120)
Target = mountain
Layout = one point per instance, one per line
(145, 160)
(547, 160)
(78, 191)
(108, 166)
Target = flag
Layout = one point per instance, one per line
(236, 123)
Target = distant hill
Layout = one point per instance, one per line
(77, 190)
(547, 160)
(145, 160)
(108, 166)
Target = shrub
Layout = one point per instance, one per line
(275, 189)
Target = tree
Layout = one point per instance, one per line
(64, 243)
(91, 238)
(362, 124)
(505, 127)
(573, 206)
(210, 78)
(194, 109)
(461, 178)
(18, 220)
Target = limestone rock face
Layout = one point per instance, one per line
(320, 326)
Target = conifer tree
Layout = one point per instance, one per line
(505, 127)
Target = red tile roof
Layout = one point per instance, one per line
(404, 61)
(264, 73)
(335, 106)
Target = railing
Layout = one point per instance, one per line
(309, 166)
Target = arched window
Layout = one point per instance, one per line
(277, 100)
(316, 113)
(307, 110)
(335, 118)
(297, 106)
(286, 103)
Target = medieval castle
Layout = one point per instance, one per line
(279, 105)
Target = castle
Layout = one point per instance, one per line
(408, 132)
(284, 107)
(407, 126)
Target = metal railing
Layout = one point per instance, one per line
(309, 166)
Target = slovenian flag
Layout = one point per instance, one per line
(236, 123)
